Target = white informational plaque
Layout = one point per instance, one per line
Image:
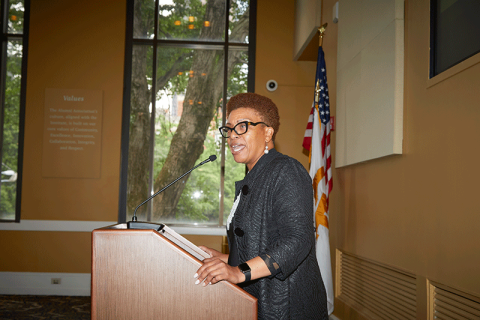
(72, 134)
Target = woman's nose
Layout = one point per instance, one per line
(233, 134)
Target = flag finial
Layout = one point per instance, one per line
(322, 31)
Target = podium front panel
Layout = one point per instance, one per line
(139, 274)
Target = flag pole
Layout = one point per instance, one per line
(322, 31)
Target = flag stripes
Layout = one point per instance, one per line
(317, 141)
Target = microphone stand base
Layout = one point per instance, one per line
(143, 225)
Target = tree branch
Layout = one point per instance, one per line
(240, 31)
(173, 71)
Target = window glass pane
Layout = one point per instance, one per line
(15, 16)
(191, 20)
(143, 19)
(233, 172)
(236, 83)
(11, 118)
(188, 107)
(180, 128)
(238, 71)
(139, 142)
(239, 21)
(199, 201)
(457, 30)
(190, 90)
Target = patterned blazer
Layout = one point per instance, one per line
(274, 219)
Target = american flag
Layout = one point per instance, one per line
(317, 141)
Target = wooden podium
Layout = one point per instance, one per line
(140, 274)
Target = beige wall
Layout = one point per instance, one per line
(416, 212)
(274, 60)
(73, 45)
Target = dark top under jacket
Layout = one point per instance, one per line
(274, 220)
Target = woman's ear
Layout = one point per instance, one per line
(269, 134)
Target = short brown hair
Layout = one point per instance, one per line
(265, 107)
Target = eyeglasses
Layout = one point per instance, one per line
(240, 128)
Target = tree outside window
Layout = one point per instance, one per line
(14, 26)
(186, 62)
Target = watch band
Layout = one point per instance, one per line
(245, 268)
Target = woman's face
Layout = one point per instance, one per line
(250, 146)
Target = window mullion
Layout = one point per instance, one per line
(2, 97)
(151, 178)
(224, 110)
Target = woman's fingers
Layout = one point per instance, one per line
(215, 254)
(209, 266)
(214, 270)
(210, 251)
(206, 249)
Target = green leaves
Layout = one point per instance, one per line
(15, 16)
(189, 99)
(11, 120)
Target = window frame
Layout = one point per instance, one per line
(23, 89)
(189, 44)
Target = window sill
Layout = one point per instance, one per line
(89, 226)
(470, 62)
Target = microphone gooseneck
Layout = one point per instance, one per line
(210, 159)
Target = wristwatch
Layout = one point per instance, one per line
(246, 271)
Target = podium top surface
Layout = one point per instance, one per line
(163, 230)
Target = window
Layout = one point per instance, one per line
(13, 82)
(184, 60)
(454, 33)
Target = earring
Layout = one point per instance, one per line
(266, 148)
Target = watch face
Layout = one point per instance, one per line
(244, 267)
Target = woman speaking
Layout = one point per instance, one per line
(270, 228)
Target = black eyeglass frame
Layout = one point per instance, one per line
(247, 123)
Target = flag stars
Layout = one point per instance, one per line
(321, 94)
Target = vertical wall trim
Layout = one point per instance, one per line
(252, 45)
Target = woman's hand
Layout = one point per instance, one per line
(215, 269)
(215, 254)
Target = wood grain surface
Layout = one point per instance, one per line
(139, 274)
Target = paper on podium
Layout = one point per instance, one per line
(183, 243)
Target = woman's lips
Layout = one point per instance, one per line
(237, 148)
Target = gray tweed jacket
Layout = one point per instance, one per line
(275, 218)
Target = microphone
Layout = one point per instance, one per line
(134, 218)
